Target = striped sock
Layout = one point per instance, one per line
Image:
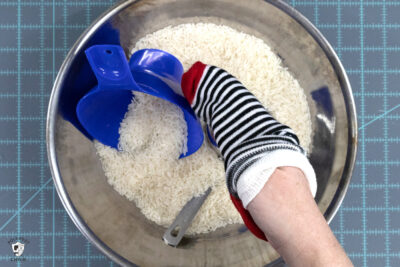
(250, 140)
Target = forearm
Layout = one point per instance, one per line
(287, 213)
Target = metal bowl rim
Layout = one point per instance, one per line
(55, 95)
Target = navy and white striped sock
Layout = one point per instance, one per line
(248, 137)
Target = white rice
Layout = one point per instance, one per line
(153, 134)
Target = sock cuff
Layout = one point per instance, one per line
(190, 80)
(253, 179)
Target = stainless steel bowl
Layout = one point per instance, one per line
(112, 223)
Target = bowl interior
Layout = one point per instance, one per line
(120, 229)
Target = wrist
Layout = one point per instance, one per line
(279, 208)
(253, 179)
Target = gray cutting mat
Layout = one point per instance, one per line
(35, 37)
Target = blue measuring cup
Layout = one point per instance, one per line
(150, 71)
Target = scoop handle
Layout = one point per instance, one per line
(176, 231)
(110, 67)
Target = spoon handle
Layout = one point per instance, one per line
(175, 232)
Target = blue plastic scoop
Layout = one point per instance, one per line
(150, 71)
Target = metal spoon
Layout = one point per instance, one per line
(176, 231)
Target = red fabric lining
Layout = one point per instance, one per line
(191, 79)
(248, 220)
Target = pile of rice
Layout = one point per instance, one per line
(153, 134)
